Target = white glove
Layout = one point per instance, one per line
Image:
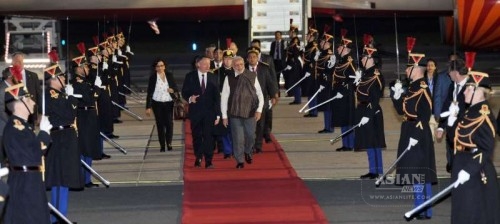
(119, 52)
(316, 57)
(98, 81)
(398, 90)
(463, 177)
(105, 65)
(453, 109)
(288, 67)
(356, 77)
(363, 121)
(332, 61)
(302, 48)
(127, 49)
(115, 60)
(307, 74)
(45, 124)
(70, 91)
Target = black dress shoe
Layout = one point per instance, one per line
(369, 176)
(117, 121)
(169, 148)
(105, 156)
(227, 156)
(112, 136)
(422, 217)
(343, 148)
(257, 151)
(293, 103)
(209, 165)
(162, 149)
(325, 131)
(91, 185)
(240, 165)
(248, 158)
(448, 167)
(197, 163)
(311, 115)
(268, 139)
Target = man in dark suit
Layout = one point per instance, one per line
(30, 80)
(278, 53)
(268, 87)
(201, 91)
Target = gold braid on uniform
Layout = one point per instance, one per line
(370, 82)
(341, 68)
(472, 124)
(418, 94)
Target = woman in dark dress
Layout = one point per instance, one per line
(475, 199)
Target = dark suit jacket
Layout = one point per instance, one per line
(282, 49)
(450, 131)
(34, 88)
(152, 85)
(208, 103)
(266, 81)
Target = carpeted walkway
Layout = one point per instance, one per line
(266, 191)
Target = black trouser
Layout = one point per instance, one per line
(259, 130)
(163, 112)
(268, 126)
(203, 139)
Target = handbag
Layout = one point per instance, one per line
(180, 107)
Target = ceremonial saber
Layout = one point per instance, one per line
(59, 214)
(135, 98)
(132, 114)
(302, 79)
(338, 96)
(95, 174)
(114, 144)
(132, 91)
(332, 141)
(321, 87)
(436, 197)
(147, 145)
(397, 46)
(412, 142)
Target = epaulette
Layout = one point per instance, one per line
(54, 94)
(264, 63)
(94, 66)
(18, 125)
(485, 111)
(423, 85)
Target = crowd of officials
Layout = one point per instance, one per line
(231, 97)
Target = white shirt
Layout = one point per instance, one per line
(225, 96)
(161, 93)
(455, 91)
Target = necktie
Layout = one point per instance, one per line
(457, 89)
(202, 83)
(278, 49)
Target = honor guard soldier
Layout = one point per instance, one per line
(415, 104)
(63, 167)
(343, 111)
(115, 74)
(124, 46)
(104, 104)
(223, 134)
(324, 70)
(370, 133)
(268, 88)
(293, 69)
(89, 139)
(475, 199)
(311, 55)
(27, 198)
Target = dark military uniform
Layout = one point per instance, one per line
(416, 107)
(294, 74)
(27, 198)
(104, 105)
(478, 199)
(310, 85)
(343, 109)
(370, 136)
(324, 72)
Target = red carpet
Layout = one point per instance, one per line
(266, 191)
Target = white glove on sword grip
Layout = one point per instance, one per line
(463, 177)
(398, 90)
(45, 124)
(98, 81)
(127, 49)
(363, 121)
